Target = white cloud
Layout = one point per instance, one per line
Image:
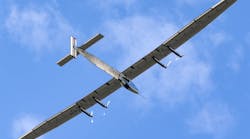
(138, 35)
(217, 38)
(24, 124)
(213, 119)
(191, 2)
(114, 3)
(37, 27)
(236, 58)
(141, 32)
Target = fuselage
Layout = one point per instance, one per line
(126, 82)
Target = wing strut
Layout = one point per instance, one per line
(84, 111)
(159, 62)
(175, 52)
(100, 103)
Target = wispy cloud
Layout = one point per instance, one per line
(106, 4)
(23, 124)
(217, 37)
(138, 35)
(236, 58)
(214, 119)
(37, 26)
(191, 2)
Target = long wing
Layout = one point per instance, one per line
(86, 102)
(133, 71)
(178, 39)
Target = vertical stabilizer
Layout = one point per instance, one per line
(73, 45)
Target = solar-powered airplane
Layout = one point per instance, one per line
(123, 79)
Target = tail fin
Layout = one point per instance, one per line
(73, 44)
(73, 48)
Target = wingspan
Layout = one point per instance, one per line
(133, 71)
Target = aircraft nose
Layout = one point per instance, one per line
(133, 88)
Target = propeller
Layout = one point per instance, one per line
(92, 119)
(169, 63)
(108, 103)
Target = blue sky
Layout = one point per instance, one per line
(205, 95)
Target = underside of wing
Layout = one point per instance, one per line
(131, 72)
(177, 40)
(74, 110)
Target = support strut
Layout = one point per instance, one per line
(159, 62)
(84, 111)
(100, 103)
(176, 53)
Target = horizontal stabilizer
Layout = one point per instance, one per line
(91, 41)
(65, 60)
(73, 48)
